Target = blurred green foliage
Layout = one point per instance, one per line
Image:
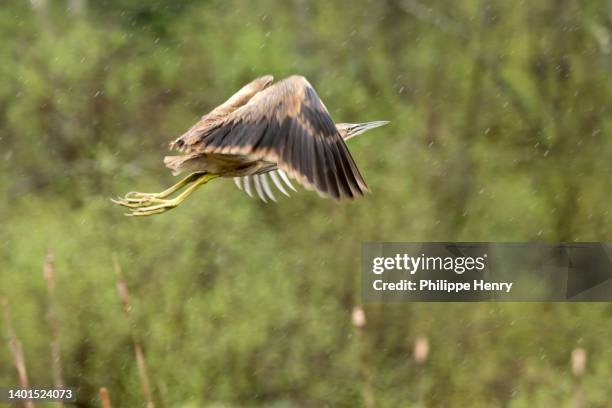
(501, 123)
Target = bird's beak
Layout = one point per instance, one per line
(362, 127)
(359, 128)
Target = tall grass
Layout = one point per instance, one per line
(56, 359)
(138, 353)
(16, 351)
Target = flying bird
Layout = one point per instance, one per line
(263, 132)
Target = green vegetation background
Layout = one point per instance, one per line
(500, 131)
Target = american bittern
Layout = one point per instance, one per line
(282, 131)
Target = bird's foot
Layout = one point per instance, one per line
(138, 196)
(141, 204)
(137, 200)
(147, 205)
(161, 207)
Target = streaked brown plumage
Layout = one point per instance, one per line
(266, 130)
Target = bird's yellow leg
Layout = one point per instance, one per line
(135, 199)
(135, 195)
(168, 204)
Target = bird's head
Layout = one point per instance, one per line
(348, 130)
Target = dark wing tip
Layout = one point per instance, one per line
(309, 146)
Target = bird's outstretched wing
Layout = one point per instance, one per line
(287, 124)
(240, 98)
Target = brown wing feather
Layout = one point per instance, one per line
(214, 117)
(287, 124)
